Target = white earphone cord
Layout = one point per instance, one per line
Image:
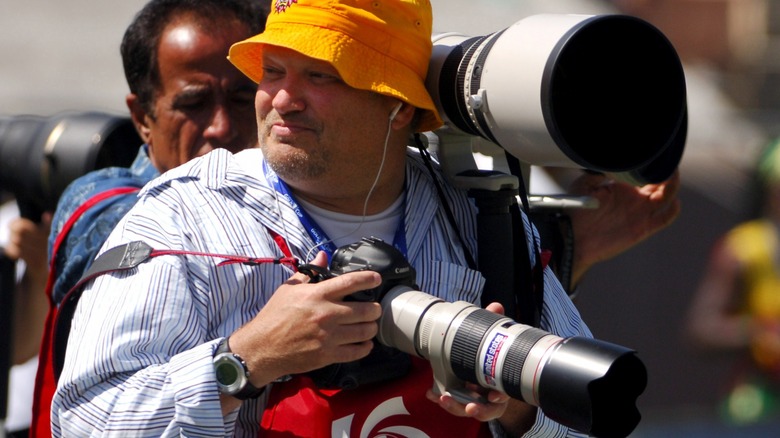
(373, 186)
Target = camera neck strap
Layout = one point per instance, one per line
(127, 256)
(502, 244)
(51, 355)
(529, 281)
(426, 156)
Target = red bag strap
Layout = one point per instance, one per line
(57, 324)
(45, 380)
(83, 208)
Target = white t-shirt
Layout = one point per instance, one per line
(344, 229)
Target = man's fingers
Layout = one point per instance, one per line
(337, 288)
(320, 260)
(356, 333)
(479, 411)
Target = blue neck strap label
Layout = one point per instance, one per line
(317, 234)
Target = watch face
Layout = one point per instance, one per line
(230, 373)
(227, 374)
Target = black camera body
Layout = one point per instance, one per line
(384, 363)
(369, 254)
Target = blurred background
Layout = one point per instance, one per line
(60, 56)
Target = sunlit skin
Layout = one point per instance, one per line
(626, 216)
(325, 138)
(202, 102)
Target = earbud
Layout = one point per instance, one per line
(395, 110)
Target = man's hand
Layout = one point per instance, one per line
(515, 416)
(626, 216)
(28, 241)
(305, 326)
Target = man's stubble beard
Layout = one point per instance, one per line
(297, 165)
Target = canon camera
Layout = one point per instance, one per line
(586, 384)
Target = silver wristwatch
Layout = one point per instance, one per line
(232, 374)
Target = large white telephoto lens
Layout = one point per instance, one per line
(586, 384)
(603, 92)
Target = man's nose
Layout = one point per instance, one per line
(221, 130)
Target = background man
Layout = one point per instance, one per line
(185, 100)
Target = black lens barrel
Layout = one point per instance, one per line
(587, 384)
(40, 156)
(592, 386)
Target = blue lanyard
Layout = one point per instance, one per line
(317, 234)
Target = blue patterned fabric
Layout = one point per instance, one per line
(76, 254)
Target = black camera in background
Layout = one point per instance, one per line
(39, 157)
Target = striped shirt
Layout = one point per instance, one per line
(139, 357)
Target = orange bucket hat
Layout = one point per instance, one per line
(378, 45)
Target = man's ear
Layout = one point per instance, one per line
(403, 116)
(139, 117)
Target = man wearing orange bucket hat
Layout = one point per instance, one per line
(183, 344)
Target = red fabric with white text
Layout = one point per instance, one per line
(395, 408)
